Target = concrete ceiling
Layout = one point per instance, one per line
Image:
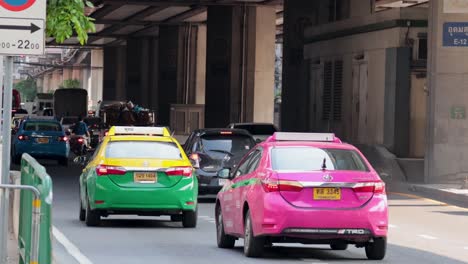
(117, 20)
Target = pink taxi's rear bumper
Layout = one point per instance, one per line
(280, 218)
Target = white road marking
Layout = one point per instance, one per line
(392, 226)
(203, 216)
(70, 247)
(428, 237)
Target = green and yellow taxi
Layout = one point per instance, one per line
(139, 171)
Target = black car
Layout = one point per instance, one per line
(260, 131)
(214, 149)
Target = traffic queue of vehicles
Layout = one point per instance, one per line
(290, 188)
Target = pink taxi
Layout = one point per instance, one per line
(303, 188)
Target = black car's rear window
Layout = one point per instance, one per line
(42, 126)
(258, 129)
(233, 144)
(312, 159)
(143, 150)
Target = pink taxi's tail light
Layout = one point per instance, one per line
(375, 187)
(283, 186)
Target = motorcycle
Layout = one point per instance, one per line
(78, 145)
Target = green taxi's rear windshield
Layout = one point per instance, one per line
(143, 150)
(314, 159)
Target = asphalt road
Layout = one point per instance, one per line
(421, 231)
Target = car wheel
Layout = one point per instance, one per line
(223, 240)
(189, 218)
(253, 246)
(339, 246)
(376, 250)
(63, 162)
(82, 211)
(92, 217)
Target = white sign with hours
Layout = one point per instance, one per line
(22, 26)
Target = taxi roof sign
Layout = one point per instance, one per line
(125, 130)
(316, 137)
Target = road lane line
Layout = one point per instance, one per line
(203, 216)
(428, 200)
(428, 237)
(70, 247)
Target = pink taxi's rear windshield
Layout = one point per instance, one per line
(314, 159)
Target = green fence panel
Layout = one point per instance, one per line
(33, 174)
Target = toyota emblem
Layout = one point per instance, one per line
(327, 177)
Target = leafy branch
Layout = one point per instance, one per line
(66, 17)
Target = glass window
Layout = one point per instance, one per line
(253, 164)
(313, 159)
(143, 150)
(236, 145)
(244, 165)
(42, 126)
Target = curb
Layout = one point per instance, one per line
(438, 194)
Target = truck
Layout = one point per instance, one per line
(120, 113)
(70, 102)
(43, 104)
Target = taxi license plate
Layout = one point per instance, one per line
(145, 177)
(327, 194)
(42, 140)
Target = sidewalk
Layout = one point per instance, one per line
(448, 193)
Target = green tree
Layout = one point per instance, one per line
(67, 17)
(70, 83)
(27, 89)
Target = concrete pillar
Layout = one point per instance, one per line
(115, 61)
(260, 75)
(360, 8)
(223, 75)
(295, 106)
(46, 83)
(201, 65)
(447, 124)
(40, 84)
(138, 69)
(240, 65)
(171, 71)
(67, 73)
(57, 79)
(96, 79)
(76, 73)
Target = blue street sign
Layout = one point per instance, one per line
(455, 34)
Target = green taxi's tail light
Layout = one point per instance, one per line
(103, 170)
(179, 171)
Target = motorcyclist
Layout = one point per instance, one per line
(81, 129)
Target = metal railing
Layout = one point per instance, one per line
(34, 236)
